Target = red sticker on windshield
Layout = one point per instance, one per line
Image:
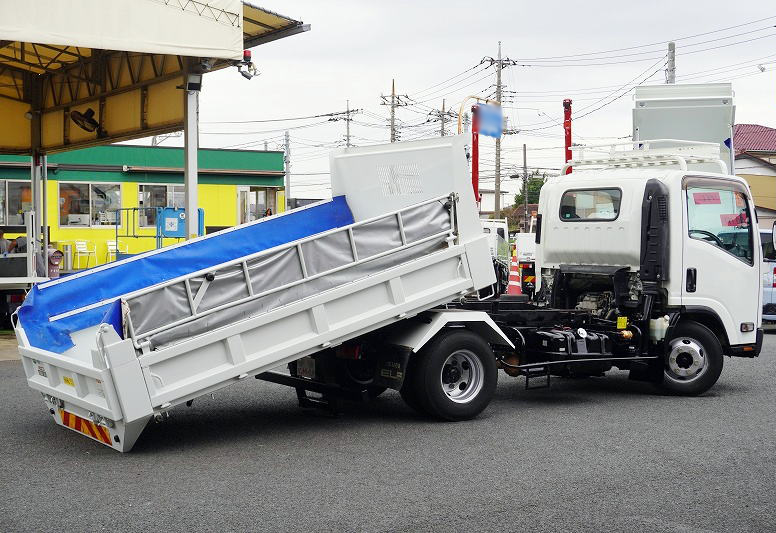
(734, 220)
(706, 198)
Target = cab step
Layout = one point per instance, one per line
(540, 373)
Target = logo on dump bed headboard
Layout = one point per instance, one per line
(399, 179)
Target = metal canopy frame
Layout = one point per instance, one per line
(44, 83)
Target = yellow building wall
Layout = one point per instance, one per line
(763, 189)
(218, 201)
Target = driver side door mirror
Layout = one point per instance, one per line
(773, 234)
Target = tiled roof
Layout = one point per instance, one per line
(748, 137)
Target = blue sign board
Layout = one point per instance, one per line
(171, 222)
(491, 120)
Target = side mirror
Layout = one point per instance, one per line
(773, 234)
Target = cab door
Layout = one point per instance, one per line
(721, 255)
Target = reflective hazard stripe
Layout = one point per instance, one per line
(528, 278)
(87, 427)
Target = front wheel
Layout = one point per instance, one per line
(694, 360)
(455, 376)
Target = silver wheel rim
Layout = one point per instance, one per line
(462, 376)
(686, 361)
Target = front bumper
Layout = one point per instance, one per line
(748, 350)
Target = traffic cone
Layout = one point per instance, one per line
(514, 275)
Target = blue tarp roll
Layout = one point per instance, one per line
(151, 268)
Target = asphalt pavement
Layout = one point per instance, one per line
(602, 454)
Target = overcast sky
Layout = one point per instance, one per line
(355, 48)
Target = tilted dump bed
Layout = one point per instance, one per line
(110, 347)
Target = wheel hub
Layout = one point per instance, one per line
(686, 360)
(462, 376)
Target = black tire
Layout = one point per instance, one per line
(474, 361)
(692, 344)
(374, 391)
(408, 390)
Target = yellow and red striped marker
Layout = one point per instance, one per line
(514, 275)
(87, 427)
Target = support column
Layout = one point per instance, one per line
(33, 231)
(44, 213)
(190, 152)
(36, 142)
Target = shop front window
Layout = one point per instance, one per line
(19, 201)
(74, 204)
(83, 204)
(105, 200)
(153, 196)
(3, 205)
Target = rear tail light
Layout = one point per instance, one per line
(773, 280)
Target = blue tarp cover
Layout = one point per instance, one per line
(151, 268)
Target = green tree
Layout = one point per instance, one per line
(533, 187)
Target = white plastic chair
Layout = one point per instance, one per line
(115, 247)
(82, 248)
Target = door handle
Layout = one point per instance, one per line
(692, 279)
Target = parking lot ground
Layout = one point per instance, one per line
(9, 350)
(603, 454)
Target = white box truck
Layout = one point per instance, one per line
(381, 288)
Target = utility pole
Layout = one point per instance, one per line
(671, 65)
(497, 191)
(347, 123)
(393, 111)
(442, 119)
(525, 190)
(287, 161)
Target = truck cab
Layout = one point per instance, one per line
(658, 236)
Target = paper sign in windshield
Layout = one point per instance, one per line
(733, 220)
(706, 198)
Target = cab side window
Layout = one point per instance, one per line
(721, 218)
(589, 205)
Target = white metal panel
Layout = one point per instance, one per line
(387, 177)
(582, 242)
(200, 364)
(178, 27)
(418, 334)
(692, 112)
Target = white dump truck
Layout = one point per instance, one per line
(389, 285)
(497, 231)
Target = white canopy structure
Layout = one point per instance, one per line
(176, 27)
(87, 72)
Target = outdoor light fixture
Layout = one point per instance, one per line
(194, 82)
(246, 67)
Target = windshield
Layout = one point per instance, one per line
(721, 218)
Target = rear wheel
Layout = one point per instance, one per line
(409, 389)
(456, 376)
(694, 360)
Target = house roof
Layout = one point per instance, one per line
(754, 137)
(755, 157)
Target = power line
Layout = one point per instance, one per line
(332, 114)
(654, 43)
(656, 51)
